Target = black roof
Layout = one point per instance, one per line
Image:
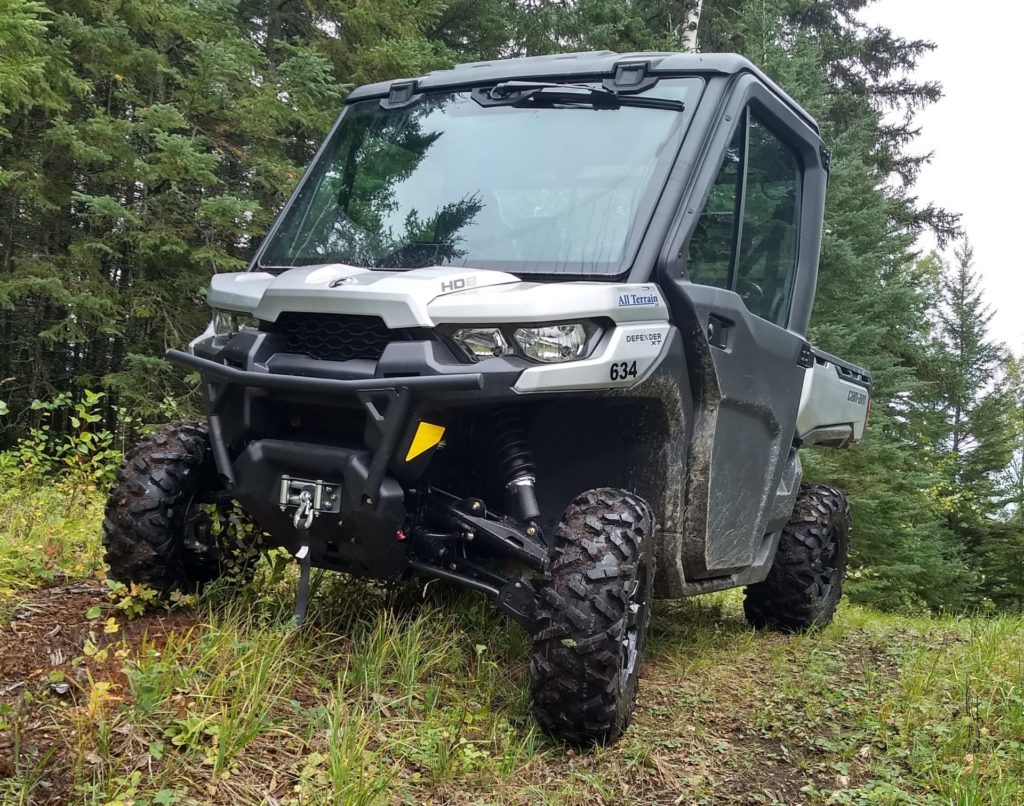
(592, 63)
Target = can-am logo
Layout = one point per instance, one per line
(339, 281)
(645, 297)
(458, 284)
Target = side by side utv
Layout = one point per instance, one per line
(536, 328)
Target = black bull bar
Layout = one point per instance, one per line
(389, 420)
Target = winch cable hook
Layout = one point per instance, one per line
(302, 521)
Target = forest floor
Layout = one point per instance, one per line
(396, 697)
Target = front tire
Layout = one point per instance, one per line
(592, 622)
(805, 583)
(156, 529)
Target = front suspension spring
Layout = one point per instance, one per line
(515, 464)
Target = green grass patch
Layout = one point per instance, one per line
(48, 534)
(401, 696)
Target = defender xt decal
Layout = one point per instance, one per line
(655, 337)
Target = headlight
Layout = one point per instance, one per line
(554, 343)
(227, 323)
(548, 344)
(482, 342)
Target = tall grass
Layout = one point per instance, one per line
(396, 695)
(47, 534)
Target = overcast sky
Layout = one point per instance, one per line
(974, 171)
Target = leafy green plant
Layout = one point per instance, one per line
(137, 598)
(47, 532)
(239, 540)
(81, 449)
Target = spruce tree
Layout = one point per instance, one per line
(970, 391)
(972, 417)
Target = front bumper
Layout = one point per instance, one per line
(390, 408)
(254, 451)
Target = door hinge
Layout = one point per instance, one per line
(826, 159)
(806, 357)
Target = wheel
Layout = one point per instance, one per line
(163, 524)
(593, 616)
(805, 583)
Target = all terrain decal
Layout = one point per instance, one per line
(647, 296)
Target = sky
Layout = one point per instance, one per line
(978, 164)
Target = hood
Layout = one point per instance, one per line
(425, 297)
(400, 298)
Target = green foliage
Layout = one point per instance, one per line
(47, 533)
(974, 408)
(179, 134)
(70, 443)
(135, 599)
(240, 541)
(1011, 480)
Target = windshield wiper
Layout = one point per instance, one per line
(516, 93)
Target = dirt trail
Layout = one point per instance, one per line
(752, 724)
(48, 630)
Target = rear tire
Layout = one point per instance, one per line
(155, 529)
(805, 583)
(593, 617)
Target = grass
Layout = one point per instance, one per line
(393, 697)
(47, 534)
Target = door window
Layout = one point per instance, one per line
(712, 249)
(746, 238)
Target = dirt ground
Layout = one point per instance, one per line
(724, 716)
(49, 628)
(41, 656)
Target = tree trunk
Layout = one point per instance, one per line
(689, 41)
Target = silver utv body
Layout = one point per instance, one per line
(696, 389)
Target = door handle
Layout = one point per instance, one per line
(719, 332)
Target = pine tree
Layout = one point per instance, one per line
(971, 411)
(1000, 549)
(970, 392)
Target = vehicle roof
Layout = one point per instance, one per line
(590, 63)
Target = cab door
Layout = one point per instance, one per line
(743, 276)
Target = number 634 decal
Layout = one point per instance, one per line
(622, 371)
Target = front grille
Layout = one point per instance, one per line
(332, 337)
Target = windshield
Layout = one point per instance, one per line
(538, 187)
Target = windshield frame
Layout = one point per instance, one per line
(534, 270)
